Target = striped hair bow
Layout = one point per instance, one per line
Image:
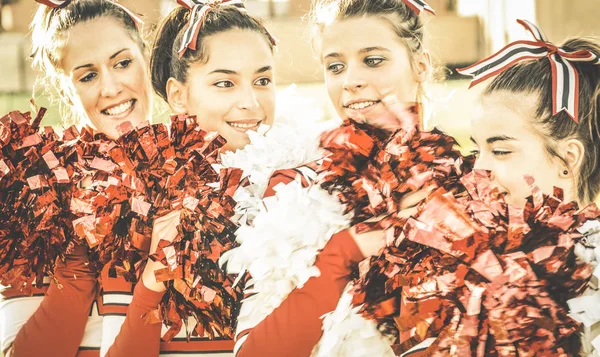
(200, 9)
(565, 78)
(418, 6)
(59, 3)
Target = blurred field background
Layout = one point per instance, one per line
(462, 32)
(451, 103)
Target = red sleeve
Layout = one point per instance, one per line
(285, 177)
(294, 328)
(59, 323)
(137, 338)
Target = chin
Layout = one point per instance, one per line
(235, 145)
(136, 119)
(514, 201)
(112, 134)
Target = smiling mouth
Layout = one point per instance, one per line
(362, 105)
(119, 109)
(245, 125)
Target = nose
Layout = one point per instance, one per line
(248, 100)
(483, 162)
(111, 85)
(354, 79)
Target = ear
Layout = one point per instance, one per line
(177, 96)
(573, 152)
(423, 66)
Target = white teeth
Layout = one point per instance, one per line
(242, 125)
(361, 105)
(119, 109)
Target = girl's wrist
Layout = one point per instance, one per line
(149, 279)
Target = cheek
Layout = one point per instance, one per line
(210, 108)
(142, 83)
(333, 85)
(512, 175)
(396, 77)
(334, 90)
(142, 89)
(382, 79)
(505, 173)
(546, 175)
(406, 84)
(267, 102)
(85, 96)
(509, 177)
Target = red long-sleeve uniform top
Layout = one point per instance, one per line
(291, 330)
(57, 326)
(295, 327)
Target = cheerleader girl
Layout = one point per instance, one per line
(375, 68)
(92, 53)
(540, 117)
(219, 68)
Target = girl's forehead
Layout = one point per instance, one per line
(519, 107)
(93, 42)
(359, 32)
(509, 114)
(234, 52)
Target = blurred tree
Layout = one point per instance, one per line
(272, 9)
(452, 6)
(3, 4)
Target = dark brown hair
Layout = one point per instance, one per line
(536, 77)
(165, 62)
(49, 28)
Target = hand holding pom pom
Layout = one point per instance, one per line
(371, 242)
(84, 190)
(480, 277)
(165, 229)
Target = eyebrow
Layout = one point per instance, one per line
(362, 50)
(233, 73)
(91, 65)
(264, 69)
(224, 71)
(333, 55)
(494, 139)
(371, 49)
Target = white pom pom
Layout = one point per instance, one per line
(347, 334)
(280, 247)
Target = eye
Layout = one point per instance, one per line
(224, 84)
(501, 152)
(475, 152)
(373, 61)
(263, 82)
(335, 67)
(124, 63)
(88, 77)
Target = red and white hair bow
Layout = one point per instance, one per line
(565, 78)
(418, 6)
(200, 9)
(59, 3)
